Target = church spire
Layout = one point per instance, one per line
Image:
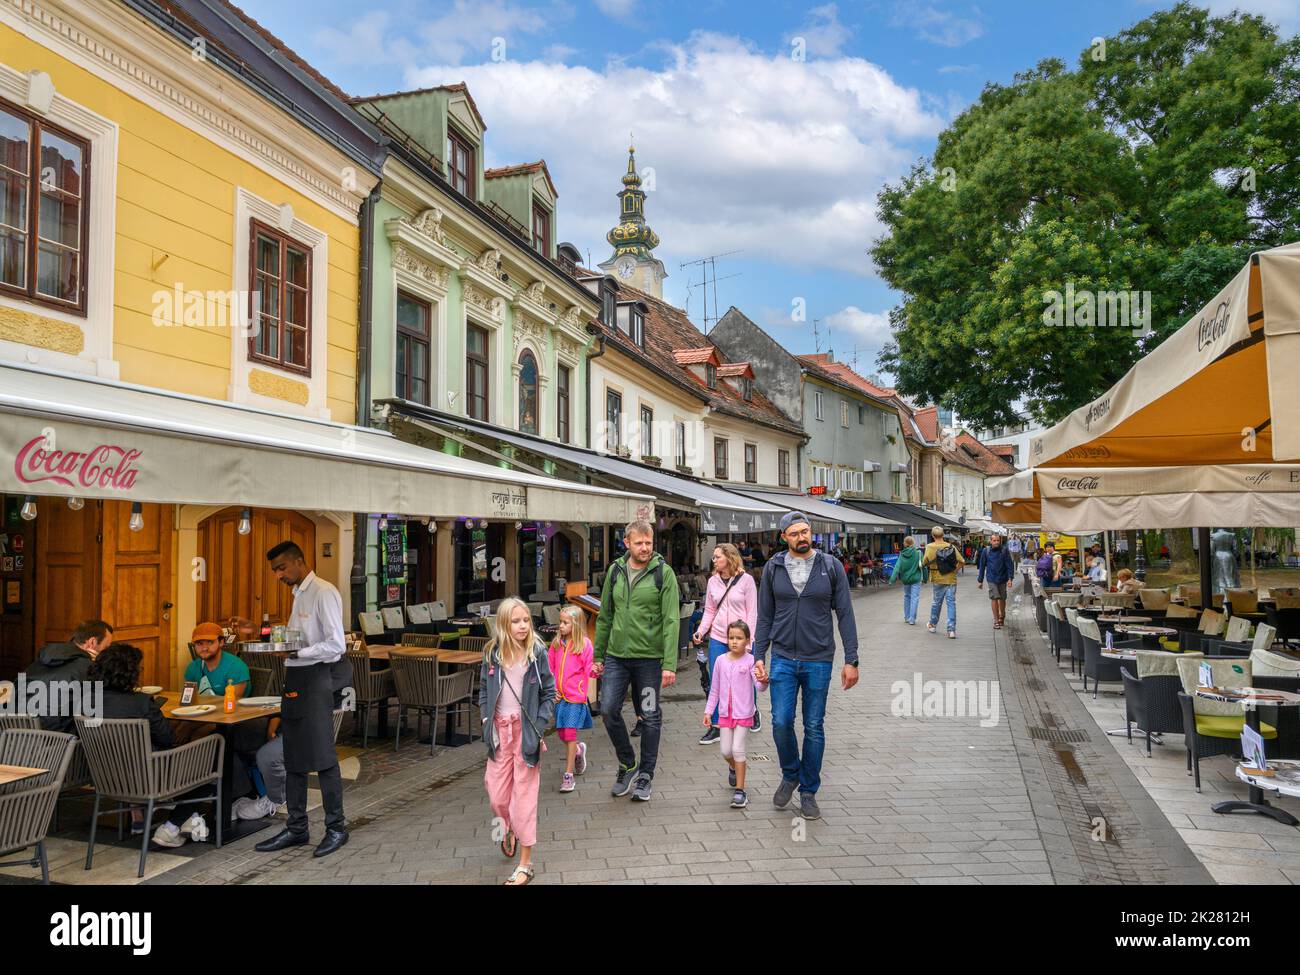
(632, 235)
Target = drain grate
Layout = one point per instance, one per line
(1058, 735)
(1034, 684)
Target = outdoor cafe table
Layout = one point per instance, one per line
(16, 773)
(225, 723)
(1251, 700)
(1150, 635)
(1285, 783)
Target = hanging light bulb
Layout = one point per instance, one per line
(518, 525)
(433, 526)
(29, 508)
(383, 523)
(76, 504)
(482, 523)
(245, 521)
(137, 517)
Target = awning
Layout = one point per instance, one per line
(915, 519)
(721, 511)
(75, 436)
(827, 518)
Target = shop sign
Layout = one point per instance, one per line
(105, 466)
(508, 502)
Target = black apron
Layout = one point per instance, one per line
(307, 718)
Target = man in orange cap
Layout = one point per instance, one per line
(215, 668)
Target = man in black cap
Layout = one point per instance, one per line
(800, 590)
(314, 677)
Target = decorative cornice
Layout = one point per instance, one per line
(526, 328)
(406, 259)
(413, 235)
(484, 271)
(493, 306)
(139, 65)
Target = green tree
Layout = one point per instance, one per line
(1156, 170)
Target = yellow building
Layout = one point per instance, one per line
(179, 213)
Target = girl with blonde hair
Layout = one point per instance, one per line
(516, 700)
(571, 657)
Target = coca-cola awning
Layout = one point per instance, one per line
(73, 436)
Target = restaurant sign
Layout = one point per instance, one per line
(508, 501)
(104, 466)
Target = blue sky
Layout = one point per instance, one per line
(752, 147)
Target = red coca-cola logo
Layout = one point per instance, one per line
(105, 466)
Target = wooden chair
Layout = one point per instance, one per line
(425, 641)
(474, 644)
(27, 806)
(127, 769)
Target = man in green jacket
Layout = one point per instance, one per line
(636, 644)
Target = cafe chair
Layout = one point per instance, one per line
(437, 610)
(27, 806)
(473, 644)
(1151, 698)
(265, 671)
(374, 687)
(394, 620)
(1153, 600)
(1210, 623)
(76, 781)
(1040, 611)
(1118, 599)
(1094, 665)
(1076, 641)
(372, 627)
(551, 614)
(1190, 595)
(421, 688)
(1234, 642)
(1213, 727)
(1285, 720)
(424, 641)
(127, 769)
(1283, 615)
(419, 618)
(1245, 602)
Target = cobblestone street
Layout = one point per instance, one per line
(921, 799)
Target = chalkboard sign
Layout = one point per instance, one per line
(392, 552)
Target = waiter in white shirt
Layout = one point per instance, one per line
(313, 676)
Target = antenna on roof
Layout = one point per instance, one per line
(817, 336)
(710, 268)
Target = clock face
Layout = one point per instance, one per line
(625, 268)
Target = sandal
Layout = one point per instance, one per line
(528, 875)
(510, 845)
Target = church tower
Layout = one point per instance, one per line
(633, 241)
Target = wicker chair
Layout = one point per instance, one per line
(77, 778)
(422, 689)
(1211, 623)
(1151, 698)
(473, 644)
(128, 770)
(425, 641)
(1093, 664)
(1153, 600)
(1076, 641)
(27, 806)
(1040, 612)
(374, 688)
(266, 672)
(1245, 602)
(1285, 720)
(1284, 616)
(1213, 727)
(1053, 628)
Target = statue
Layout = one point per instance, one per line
(1223, 553)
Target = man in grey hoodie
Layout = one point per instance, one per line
(800, 590)
(68, 662)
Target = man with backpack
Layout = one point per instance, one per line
(802, 589)
(1048, 566)
(996, 568)
(943, 560)
(636, 644)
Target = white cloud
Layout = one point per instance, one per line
(467, 30)
(958, 68)
(824, 35)
(1283, 14)
(937, 26)
(750, 151)
(618, 9)
(868, 329)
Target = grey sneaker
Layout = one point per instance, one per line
(783, 793)
(623, 784)
(808, 807)
(739, 800)
(641, 792)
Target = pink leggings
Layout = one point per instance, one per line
(732, 741)
(512, 786)
(567, 734)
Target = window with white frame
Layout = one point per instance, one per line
(844, 413)
(818, 406)
(859, 481)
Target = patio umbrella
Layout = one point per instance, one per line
(1196, 433)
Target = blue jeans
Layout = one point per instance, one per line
(911, 600)
(942, 594)
(643, 675)
(788, 679)
(716, 649)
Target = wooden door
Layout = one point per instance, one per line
(561, 553)
(68, 568)
(238, 579)
(17, 587)
(137, 569)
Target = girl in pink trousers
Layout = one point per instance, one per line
(570, 656)
(516, 700)
(733, 692)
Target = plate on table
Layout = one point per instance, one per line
(193, 710)
(151, 689)
(268, 701)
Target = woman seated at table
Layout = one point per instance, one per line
(119, 669)
(1125, 583)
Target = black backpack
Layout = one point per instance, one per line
(657, 571)
(945, 559)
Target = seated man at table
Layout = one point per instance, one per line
(68, 662)
(270, 780)
(119, 669)
(215, 668)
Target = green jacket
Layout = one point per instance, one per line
(644, 621)
(908, 566)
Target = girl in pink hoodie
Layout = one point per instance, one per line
(571, 659)
(733, 692)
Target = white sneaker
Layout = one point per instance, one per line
(195, 828)
(168, 835)
(260, 808)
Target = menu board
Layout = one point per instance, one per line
(392, 552)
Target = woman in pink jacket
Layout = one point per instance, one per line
(731, 596)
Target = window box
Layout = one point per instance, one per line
(652, 461)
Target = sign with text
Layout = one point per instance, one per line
(508, 501)
(392, 552)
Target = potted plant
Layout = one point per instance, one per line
(684, 469)
(624, 452)
(651, 460)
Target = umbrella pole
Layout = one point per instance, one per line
(1105, 542)
(1207, 590)
(1254, 583)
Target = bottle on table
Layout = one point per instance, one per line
(266, 627)
(229, 703)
